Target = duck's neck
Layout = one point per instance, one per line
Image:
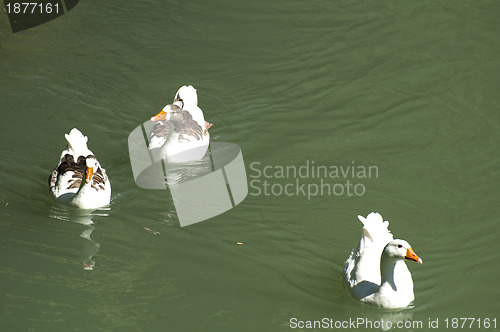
(395, 273)
(172, 139)
(173, 133)
(82, 195)
(84, 186)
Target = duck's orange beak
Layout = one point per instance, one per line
(89, 174)
(160, 116)
(412, 256)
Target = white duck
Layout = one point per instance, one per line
(181, 134)
(78, 164)
(375, 272)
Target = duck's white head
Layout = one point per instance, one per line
(171, 112)
(91, 167)
(76, 141)
(187, 94)
(399, 250)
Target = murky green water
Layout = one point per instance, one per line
(409, 88)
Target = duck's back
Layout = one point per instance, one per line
(362, 269)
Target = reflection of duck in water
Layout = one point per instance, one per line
(83, 217)
(76, 165)
(90, 248)
(181, 134)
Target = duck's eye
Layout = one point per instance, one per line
(400, 246)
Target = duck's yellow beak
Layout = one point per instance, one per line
(160, 116)
(412, 256)
(88, 174)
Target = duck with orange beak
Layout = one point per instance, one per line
(82, 183)
(376, 272)
(181, 133)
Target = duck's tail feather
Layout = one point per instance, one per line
(76, 140)
(188, 94)
(365, 259)
(375, 231)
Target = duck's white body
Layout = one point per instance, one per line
(176, 150)
(185, 140)
(77, 164)
(375, 271)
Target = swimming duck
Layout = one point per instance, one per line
(181, 134)
(79, 178)
(375, 272)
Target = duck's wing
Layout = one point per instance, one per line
(100, 179)
(362, 268)
(190, 129)
(68, 175)
(158, 134)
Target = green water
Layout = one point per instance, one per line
(408, 87)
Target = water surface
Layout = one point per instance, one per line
(411, 88)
